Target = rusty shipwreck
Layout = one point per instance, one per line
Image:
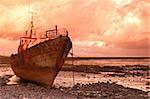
(40, 59)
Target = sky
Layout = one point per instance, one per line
(97, 28)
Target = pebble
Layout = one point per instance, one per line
(107, 89)
(2, 81)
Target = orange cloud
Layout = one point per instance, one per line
(96, 24)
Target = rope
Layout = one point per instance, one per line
(72, 67)
(78, 57)
(72, 54)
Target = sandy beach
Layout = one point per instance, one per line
(85, 85)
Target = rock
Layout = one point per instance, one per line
(105, 90)
(2, 81)
(147, 83)
(13, 80)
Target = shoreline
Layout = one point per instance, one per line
(106, 88)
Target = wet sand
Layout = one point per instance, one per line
(105, 85)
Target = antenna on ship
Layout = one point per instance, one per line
(32, 25)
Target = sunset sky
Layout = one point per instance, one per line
(96, 27)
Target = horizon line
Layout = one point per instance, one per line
(104, 57)
(110, 57)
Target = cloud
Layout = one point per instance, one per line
(139, 44)
(133, 25)
(96, 24)
(96, 51)
(79, 17)
(8, 46)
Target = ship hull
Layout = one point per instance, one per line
(42, 62)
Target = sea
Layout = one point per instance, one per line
(111, 61)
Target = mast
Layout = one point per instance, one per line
(32, 25)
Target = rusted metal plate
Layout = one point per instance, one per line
(42, 62)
